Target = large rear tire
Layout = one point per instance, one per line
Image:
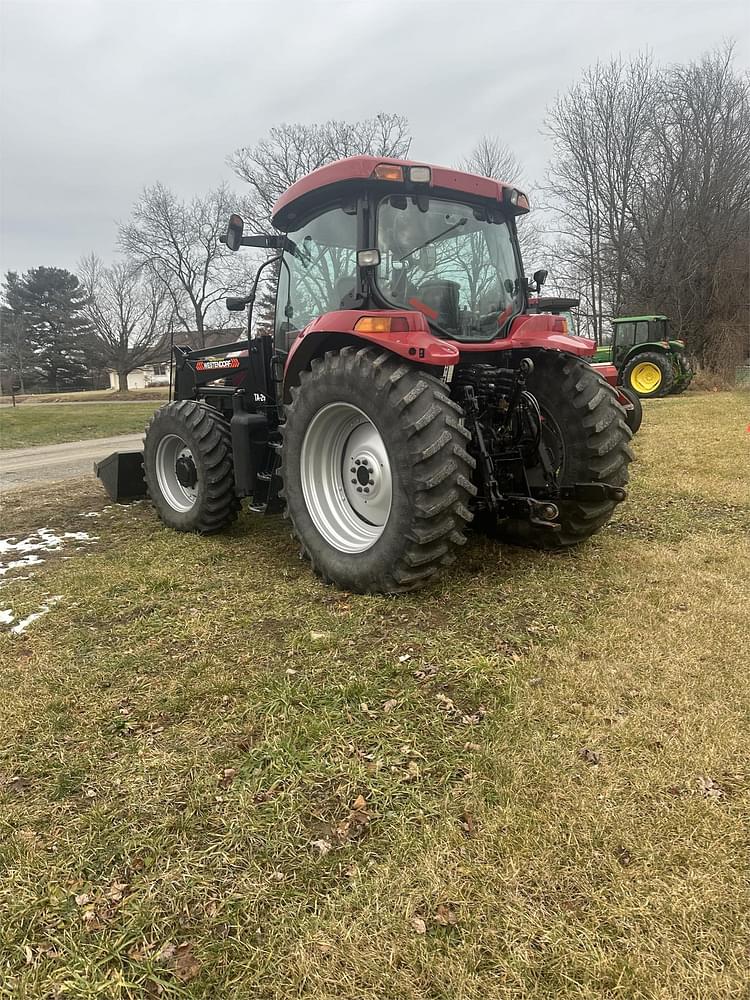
(187, 460)
(376, 476)
(649, 375)
(588, 440)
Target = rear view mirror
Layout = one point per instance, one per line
(540, 277)
(233, 238)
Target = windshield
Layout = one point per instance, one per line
(450, 261)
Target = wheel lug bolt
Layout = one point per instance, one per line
(357, 461)
(354, 480)
(359, 489)
(353, 469)
(372, 482)
(367, 489)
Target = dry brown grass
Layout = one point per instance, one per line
(554, 784)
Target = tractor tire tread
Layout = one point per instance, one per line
(208, 436)
(439, 467)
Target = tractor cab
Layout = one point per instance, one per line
(648, 361)
(402, 239)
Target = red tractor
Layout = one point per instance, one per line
(406, 392)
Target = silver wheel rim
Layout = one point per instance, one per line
(179, 496)
(346, 477)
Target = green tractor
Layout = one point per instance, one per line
(647, 361)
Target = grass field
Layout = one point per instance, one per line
(221, 779)
(25, 427)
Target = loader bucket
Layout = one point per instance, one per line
(121, 474)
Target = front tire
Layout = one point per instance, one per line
(187, 461)
(376, 476)
(588, 440)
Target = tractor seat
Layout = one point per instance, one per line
(344, 287)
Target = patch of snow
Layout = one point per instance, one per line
(6, 617)
(24, 623)
(93, 513)
(43, 540)
(30, 560)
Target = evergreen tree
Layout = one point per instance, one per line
(49, 302)
(265, 303)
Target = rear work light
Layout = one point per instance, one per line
(382, 324)
(368, 258)
(388, 172)
(517, 199)
(420, 175)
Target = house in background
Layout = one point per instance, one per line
(156, 373)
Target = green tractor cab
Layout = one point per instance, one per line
(648, 362)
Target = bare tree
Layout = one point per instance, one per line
(291, 151)
(178, 243)
(491, 157)
(689, 254)
(651, 187)
(130, 313)
(600, 135)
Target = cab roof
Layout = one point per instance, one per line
(636, 319)
(299, 198)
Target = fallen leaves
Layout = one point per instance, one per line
(710, 789)
(426, 673)
(185, 965)
(179, 958)
(99, 906)
(352, 828)
(227, 776)
(467, 824)
(445, 914)
(455, 714)
(623, 856)
(355, 824)
(15, 783)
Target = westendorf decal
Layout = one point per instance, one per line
(203, 366)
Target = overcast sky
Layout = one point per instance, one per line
(100, 97)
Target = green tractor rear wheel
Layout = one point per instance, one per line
(649, 375)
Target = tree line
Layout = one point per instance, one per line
(645, 209)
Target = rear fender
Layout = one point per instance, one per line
(530, 330)
(607, 371)
(655, 347)
(335, 330)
